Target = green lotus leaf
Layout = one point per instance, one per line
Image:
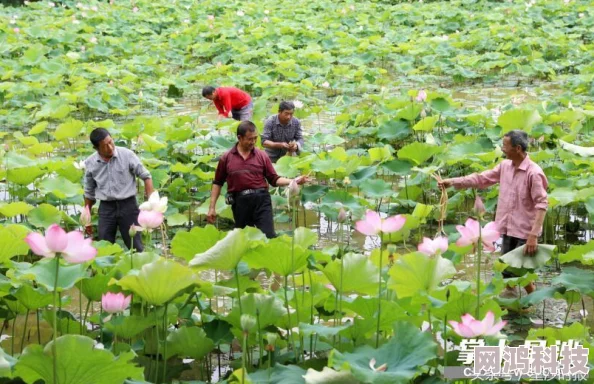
(14, 209)
(267, 308)
(577, 280)
(68, 130)
(44, 273)
(159, 282)
(60, 187)
(404, 355)
(95, 286)
(583, 253)
(427, 124)
(359, 274)
(286, 374)
(398, 167)
(329, 376)
(151, 144)
(227, 253)
(440, 104)
(321, 330)
(416, 273)
(187, 244)
(33, 55)
(129, 326)
(313, 192)
(189, 342)
(516, 258)
(45, 215)
(12, 241)
(136, 261)
(576, 331)
(394, 130)
(380, 154)
(177, 219)
(562, 196)
(540, 295)
(78, 362)
(377, 188)
(522, 119)
(418, 152)
(278, 256)
(410, 112)
(576, 149)
(24, 176)
(33, 298)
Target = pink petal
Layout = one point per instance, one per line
(496, 328)
(466, 236)
(466, 331)
(79, 249)
(426, 247)
(488, 320)
(441, 243)
(150, 219)
(467, 319)
(477, 327)
(55, 238)
(473, 226)
(371, 225)
(490, 232)
(37, 244)
(393, 224)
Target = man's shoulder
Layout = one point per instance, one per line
(91, 159)
(270, 120)
(534, 167)
(123, 151)
(295, 121)
(260, 153)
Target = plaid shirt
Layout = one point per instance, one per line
(114, 179)
(278, 133)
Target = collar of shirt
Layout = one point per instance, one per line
(277, 121)
(234, 150)
(525, 163)
(102, 160)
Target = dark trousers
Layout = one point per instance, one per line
(254, 210)
(120, 214)
(509, 244)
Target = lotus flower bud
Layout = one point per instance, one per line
(85, 217)
(479, 207)
(342, 215)
(423, 113)
(247, 322)
(271, 337)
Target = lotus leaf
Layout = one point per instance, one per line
(516, 258)
(416, 273)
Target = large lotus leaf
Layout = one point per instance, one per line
(45, 215)
(68, 130)
(576, 331)
(151, 144)
(583, 253)
(24, 175)
(305, 237)
(279, 256)
(563, 196)
(14, 209)
(576, 149)
(269, 307)
(158, 282)
(394, 130)
(576, 279)
(516, 258)
(399, 167)
(33, 298)
(359, 274)
(285, 374)
(12, 241)
(60, 187)
(129, 261)
(377, 188)
(189, 342)
(380, 154)
(404, 355)
(226, 253)
(321, 330)
(187, 244)
(418, 152)
(44, 273)
(285, 166)
(313, 192)
(129, 326)
(540, 295)
(410, 112)
(518, 119)
(78, 362)
(95, 286)
(426, 124)
(38, 128)
(34, 55)
(329, 376)
(416, 273)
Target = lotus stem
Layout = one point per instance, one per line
(289, 334)
(243, 356)
(80, 312)
(238, 291)
(379, 293)
(165, 344)
(24, 330)
(294, 213)
(157, 331)
(55, 321)
(478, 269)
(260, 345)
(38, 329)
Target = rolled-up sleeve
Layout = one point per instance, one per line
(137, 168)
(538, 191)
(221, 172)
(478, 180)
(90, 184)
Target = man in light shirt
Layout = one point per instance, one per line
(110, 176)
(522, 202)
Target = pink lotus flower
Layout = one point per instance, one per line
(470, 327)
(150, 219)
(72, 246)
(470, 234)
(16, 30)
(85, 217)
(373, 224)
(115, 302)
(422, 95)
(135, 9)
(211, 17)
(433, 247)
(326, 84)
(479, 207)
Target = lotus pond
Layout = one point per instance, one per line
(391, 94)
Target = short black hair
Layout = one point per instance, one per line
(286, 106)
(208, 90)
(98, 135)
(518, 137)
(245, 127)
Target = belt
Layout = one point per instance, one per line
(133, 197)
(251, 191)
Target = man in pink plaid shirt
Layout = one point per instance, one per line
(522, 202)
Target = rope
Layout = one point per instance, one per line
(443, 206)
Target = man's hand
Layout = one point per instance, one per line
(282, 146)
(293, 147)
(445, 183)
(211, 217)
(301, 180)
(531, 245)
(89, 231)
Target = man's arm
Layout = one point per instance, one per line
(89, 194)
(476, 180)
(299, 137)
(140, 171)
(148, 187)
(532, 241)
(267, 138)
(538, 192)
(215, 192)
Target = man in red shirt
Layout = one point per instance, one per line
(247, 171)
(230, 102)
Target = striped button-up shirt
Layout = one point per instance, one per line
(522, 191)
(278, 133)
(114, 179)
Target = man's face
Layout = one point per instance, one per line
(248, 142)
(106, 147)
(212, 96)
(508, 149)
(285, 116)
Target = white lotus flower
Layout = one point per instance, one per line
(186, 21)
(210, 17)
(187, 361)
(581, 15)
(326, 84)
(266, 11)
(155, 203)
(240, 13)
(298, 104)
(94, 8)
(93, 40)
(75, 21)
(51, 4)
(265, 19)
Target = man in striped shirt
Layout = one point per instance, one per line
(230, 102)
(282, 133)
(110, 176)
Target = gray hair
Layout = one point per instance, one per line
(518, 137)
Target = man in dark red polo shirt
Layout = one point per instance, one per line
(247, 171)
(230, 102)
